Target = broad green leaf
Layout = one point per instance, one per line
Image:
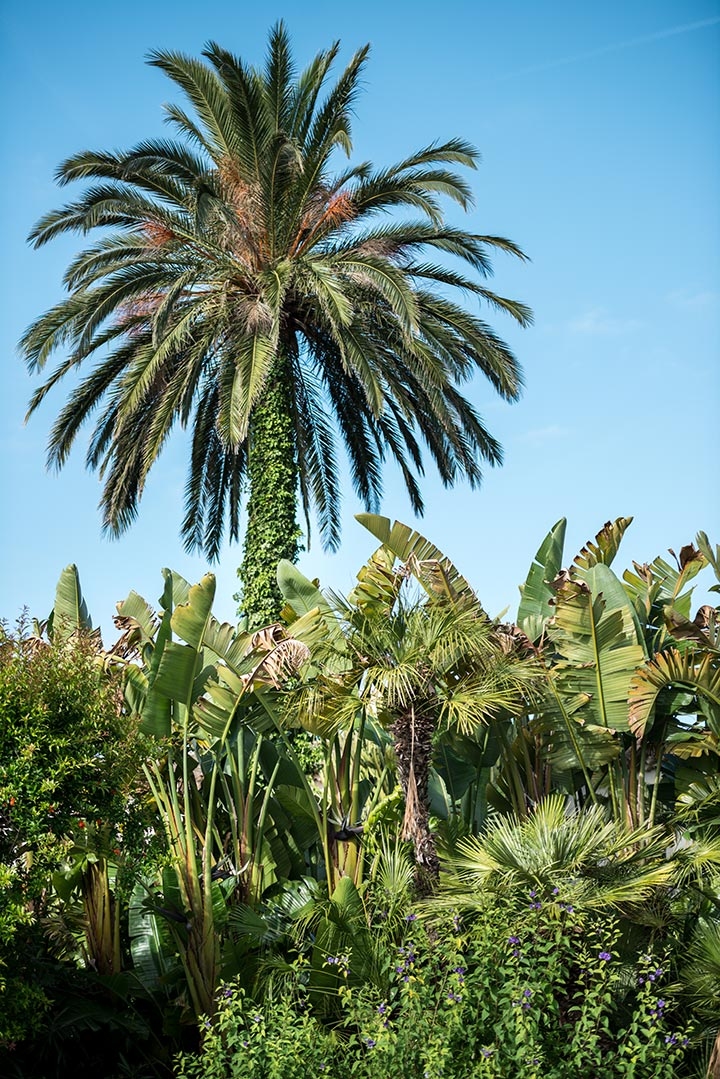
(598, 645)
(70, 612)
(190, 618)
(305, 597)
(157, 711)
(434, 571)
(605, 546)
(139, 611)
(695, 670)
(535, 607)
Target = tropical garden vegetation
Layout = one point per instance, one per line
(505, 863)
(372, 835)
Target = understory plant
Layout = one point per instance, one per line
(539, 992)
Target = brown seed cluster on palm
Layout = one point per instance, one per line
(242, 254)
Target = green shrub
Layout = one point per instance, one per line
(539, 993)
(68, 758)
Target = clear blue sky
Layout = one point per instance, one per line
(598, 126)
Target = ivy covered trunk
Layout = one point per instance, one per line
(413, 734)
(272, 532)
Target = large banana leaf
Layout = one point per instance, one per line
(595, 635)
(434, 570)
(70, 612)
(536, 594)
(605, 546)
(151, 946)
(695, 670)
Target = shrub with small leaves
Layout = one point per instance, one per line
(537, 991)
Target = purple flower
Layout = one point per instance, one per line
(453, 997)
(332, 960)
(227, 993)
(257, 1019)
(526, 1006)
(556, 891)
(661, 1004)
(605, 956)
(527, 992)
(516, 952)
(641, 981)
(536, 906)
(456, 924)
(411, 917)
(513, 940)
(244, 1044)
(208, 1025)
(370, 1043)
(459, 970)
(486, 1053)
(382, 1008)
(532, 893)
(671, 1039)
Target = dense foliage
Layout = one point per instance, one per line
(503, 860)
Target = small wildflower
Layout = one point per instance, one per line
(382, 1008)
(456, 924)
(532, 893)
(527, 992)
(526, 1006)
(208, 1024)
(513, 940)
(370, 1043)
(459, 970)
(411, 917)
(486, 1053)
(332, 960)
(454, 998)
(659, 972)
(641, 981)
(556, 891)
(257, 1019)
(227, 993)
(605, 956)
(661, 1005)
(516, 952)
(536, 906)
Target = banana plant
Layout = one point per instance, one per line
(624, 666)
(201, 688)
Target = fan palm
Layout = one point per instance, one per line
(249, 292)
(419, 668)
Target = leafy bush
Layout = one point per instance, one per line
(68, 757)
(539, 993)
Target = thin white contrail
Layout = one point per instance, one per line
(685, 28)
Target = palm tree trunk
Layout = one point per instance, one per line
(413, 735)
(272, 532)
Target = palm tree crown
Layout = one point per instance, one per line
(243, 288)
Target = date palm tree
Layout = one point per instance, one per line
(248, 288)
